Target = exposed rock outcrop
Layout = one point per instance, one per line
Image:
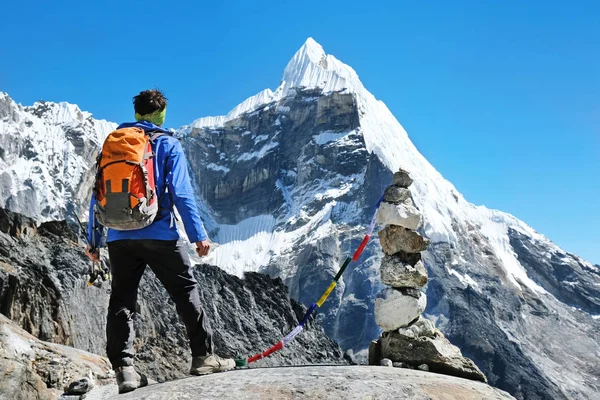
(322, 382)
(34, 369)
(43, 290)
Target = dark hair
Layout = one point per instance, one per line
(149, 101)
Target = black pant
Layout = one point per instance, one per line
(171, 265)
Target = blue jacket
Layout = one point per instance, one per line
(173, 187)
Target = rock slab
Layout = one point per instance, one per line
(396, 194)
(321, 382)
(396, 273)
(402, 179)
(394, 239)
(33, 369)
(420, 328)
(438, 353)
(402, 214)
(395, 308)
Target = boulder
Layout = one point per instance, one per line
(396, 273)
(395, 308)
(396, 194)
(438, 353)
(420, 328)
(402, 214)
(386, 362)
(81, 386)
(394, 239)
(402, 179)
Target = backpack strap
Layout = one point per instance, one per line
(153, 135)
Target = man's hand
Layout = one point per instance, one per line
(92, 255)
(202, 248)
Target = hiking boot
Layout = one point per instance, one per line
(128, 379)
(208, 364)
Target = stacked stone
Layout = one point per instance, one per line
(408, 339)
(400, 305)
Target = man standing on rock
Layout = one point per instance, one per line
(142, 231)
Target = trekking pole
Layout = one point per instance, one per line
(95, 271)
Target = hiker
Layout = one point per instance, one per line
(136, 204)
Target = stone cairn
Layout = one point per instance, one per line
(409, 340)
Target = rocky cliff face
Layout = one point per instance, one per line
(289, 195)
(43, 289)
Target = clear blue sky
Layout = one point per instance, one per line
(503, 97)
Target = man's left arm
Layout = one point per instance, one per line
(180, 188)
(94, 234)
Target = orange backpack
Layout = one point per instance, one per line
(125, 190)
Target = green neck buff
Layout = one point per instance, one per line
(157, 117)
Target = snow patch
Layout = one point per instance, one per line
(258, 154)
(16, 343)
(465, 279)
(328, 136)
(244, 246)
(260, 138)
(215, 167)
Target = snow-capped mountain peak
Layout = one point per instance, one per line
(311, 68)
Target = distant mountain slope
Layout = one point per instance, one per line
(45, 155)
